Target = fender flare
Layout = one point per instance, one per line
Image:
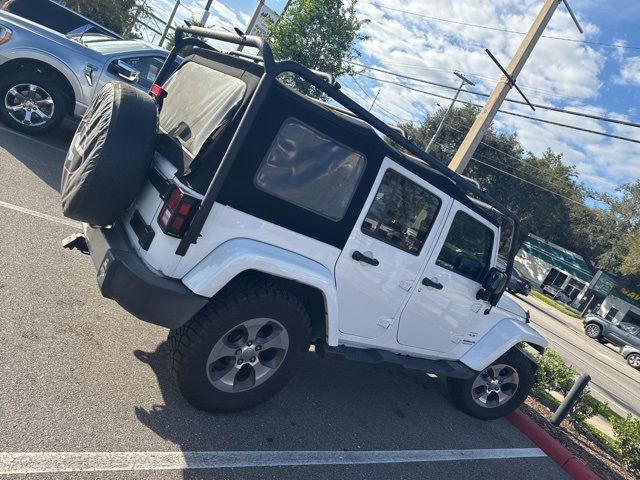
(53, 62)
(233, 257)
(506, 334)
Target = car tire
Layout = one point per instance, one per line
(31, 102)
(633, 359)
(110, 155)
(497, 390)
(593, 330)
(218, 359)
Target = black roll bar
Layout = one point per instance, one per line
(273, 69)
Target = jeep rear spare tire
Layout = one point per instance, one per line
(110, 154)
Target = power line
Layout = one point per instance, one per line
(379, 102)
(507, 112)
(497, 29)
(527, 181)
(519, 102)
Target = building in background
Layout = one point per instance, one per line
(545, 263)
(616, 299)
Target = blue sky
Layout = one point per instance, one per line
(585, 77)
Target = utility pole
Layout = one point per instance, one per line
(169, 22)
(252, 21)
(446, 114)
(205, 15)
(486, 115)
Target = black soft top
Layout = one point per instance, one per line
(250, 72)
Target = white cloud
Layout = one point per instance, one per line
(630, 71)
(559, 73)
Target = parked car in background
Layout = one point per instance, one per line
(632, 355)
(518, 284)
(556, 293)
(55, 16)
(621, 334)
(46, 76)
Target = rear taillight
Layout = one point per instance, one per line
(177, 212)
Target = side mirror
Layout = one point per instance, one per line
(126, 71)
(494, 281)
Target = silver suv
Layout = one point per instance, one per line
(45, 75)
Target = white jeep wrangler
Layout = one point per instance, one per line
(252, 221)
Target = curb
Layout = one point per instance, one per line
(549, 445)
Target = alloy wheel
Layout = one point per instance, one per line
(247, 355)
(634, 360)
(495, 385)
(592, 331)
(29, 104)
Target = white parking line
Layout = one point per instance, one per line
(57, 462)
(51, 218)
(33, 140)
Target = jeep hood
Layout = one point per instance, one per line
(511, 308)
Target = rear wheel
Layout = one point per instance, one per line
(241, 349)
(633, 359)
(31, 103)
(495, 391)
(593, 330)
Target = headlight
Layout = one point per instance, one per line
(5, 34)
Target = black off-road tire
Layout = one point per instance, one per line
(48, 85)
(191, 344)
(461, 390)
(110, 155)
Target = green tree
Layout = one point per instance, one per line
(624, 255)
(116, 15)
(320, 34)
(553, 208)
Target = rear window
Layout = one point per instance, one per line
(199, 101)
(310, 170)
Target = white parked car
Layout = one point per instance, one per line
(256, 221)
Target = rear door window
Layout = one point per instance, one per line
(311, 170)
(402, 213)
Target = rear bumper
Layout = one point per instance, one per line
(123, 277)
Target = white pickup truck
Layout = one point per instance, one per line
(252, 221)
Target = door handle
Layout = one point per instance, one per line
(427, 282)
(359, 257)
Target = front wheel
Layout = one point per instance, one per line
(633, 359)
(495, 391)
(241, 349)
(31, 102)
(593, 330)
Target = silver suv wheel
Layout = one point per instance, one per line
(29, 104)
(495, 385)
(247, 355)
(633, 359)
(592, 330)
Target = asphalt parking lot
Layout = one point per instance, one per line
(81, 375)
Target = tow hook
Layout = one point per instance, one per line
(76, 241)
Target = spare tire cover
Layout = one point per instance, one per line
(110, 155)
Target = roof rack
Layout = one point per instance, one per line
(273, 69)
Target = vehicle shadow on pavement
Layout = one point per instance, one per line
(45, 162)
(331, 404)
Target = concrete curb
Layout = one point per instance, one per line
(549, 445)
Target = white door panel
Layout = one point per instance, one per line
(438, 319)
(370, 297)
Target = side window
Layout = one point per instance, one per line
(467, 248)
(149, 67)
(402, 213)
(629, 328)
(611, 314)
(310, 170)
